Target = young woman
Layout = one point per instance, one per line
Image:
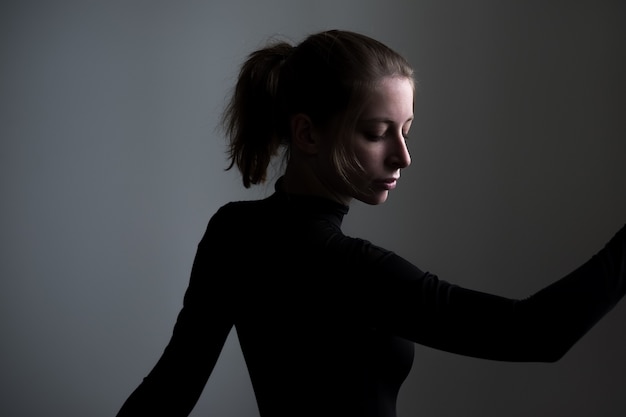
(327, 322)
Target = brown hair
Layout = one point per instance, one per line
(328, 77)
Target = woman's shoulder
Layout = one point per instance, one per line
(247, 207)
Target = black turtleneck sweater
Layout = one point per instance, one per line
(327, 322)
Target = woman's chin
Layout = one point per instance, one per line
(374, 199)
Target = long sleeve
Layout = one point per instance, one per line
(175, 383)
(542, 327)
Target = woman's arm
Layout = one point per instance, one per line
(175, 383)
(542, 327)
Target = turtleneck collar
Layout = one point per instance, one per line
(317, 206)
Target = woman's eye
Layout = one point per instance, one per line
(374, 136)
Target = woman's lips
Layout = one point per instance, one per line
(387, 184)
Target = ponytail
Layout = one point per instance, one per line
(250, 118)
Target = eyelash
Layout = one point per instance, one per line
(375, 138)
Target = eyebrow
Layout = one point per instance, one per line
(383, 120)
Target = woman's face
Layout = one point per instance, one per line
(380, 141)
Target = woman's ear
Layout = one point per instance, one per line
(302, 135)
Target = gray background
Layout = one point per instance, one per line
(110, 166)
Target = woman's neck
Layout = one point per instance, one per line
(300, 179)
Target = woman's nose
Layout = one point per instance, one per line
(400, 156)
